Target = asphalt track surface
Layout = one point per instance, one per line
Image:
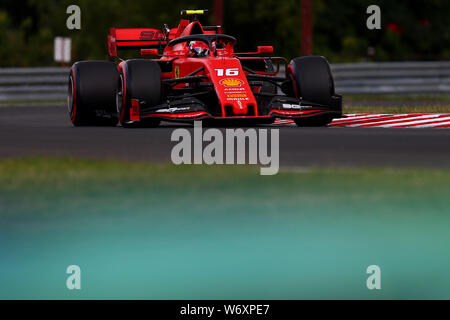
(47, 131)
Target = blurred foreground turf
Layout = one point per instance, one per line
(142, 231)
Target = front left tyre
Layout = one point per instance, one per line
(92, 92)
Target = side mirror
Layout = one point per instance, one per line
(149, 52)
(265, 49)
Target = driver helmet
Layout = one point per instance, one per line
(198, 49)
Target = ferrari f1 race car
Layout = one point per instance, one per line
(198, 76)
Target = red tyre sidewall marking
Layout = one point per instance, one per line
(294, 82)
(74, 96)
(124, 92)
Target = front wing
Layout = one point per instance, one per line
(189, 109)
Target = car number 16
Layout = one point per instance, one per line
(227, 72)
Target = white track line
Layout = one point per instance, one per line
(412, 120)
(368, 119)
(434, 124)
(417, 122)
(355, 118)
(387, 124)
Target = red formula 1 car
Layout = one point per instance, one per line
(198, 76)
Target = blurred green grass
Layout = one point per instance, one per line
(141, 230)
(396, 103)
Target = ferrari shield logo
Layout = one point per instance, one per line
(177, 72)
(231, 82)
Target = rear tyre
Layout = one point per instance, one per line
(138, 79)
(92, 89)
(314, 83)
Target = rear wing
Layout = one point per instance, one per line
(150, 38)
(134, 38)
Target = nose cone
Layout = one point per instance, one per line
(235, 95)
(230, 83)
(239, 107)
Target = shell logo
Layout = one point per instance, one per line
(231, 82)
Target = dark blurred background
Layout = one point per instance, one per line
(411, 30)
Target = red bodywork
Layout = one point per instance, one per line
(221, 72)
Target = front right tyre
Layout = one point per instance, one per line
(313, 82)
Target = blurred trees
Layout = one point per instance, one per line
(411, 29)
